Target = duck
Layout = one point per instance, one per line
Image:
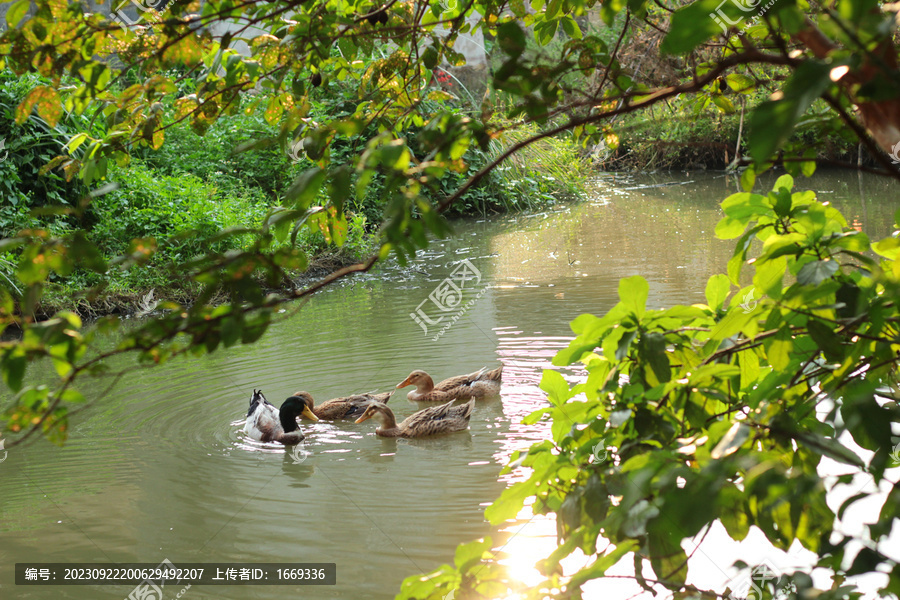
(265, 423)
(433, 420)
(349, 407)
(474, 385)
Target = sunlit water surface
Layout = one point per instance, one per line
(158, 468)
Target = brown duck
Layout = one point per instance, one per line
(349, 407)
(433, 420)
(474, 385)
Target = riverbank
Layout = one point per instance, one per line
(674, 137)
(92, 304)
(190, 193)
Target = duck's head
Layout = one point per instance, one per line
(379, 411)
(294, 407)
(420, 379)
(307, 399)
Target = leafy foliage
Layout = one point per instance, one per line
(721, 412)
(28, 147)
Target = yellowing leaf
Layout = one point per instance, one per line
(186, 51)
(46, 100)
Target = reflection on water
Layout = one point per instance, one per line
(159, 468)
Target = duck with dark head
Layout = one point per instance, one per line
(265, 423)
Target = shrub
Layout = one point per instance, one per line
(27, 148)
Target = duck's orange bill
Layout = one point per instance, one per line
(309, 414)
(404, 383)
(363, 418)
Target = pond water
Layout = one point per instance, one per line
(158, 467)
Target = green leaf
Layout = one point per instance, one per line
(609, 10)
(736, 262)
(729, 228)
(305, 187)
(570, 26)
(633, 292)
(769, 275)
(556, 387)
(652, 347)
(748, 178)
(826, 339)
(773, 121)
(510, 502)
(545, 31)
(691, 26)
(717, 288)
(723, 103)
(868, 422)
(785, 181)
(888, 247)
(13, 365)
(814, 273)
(731, 441)
(779, 349)
(733, 323)
(744, 207)
(553, 9)
(260, 144)
(603, 563)
(16, 12)
(511, 38)
(86, 253)
(668, 559)
(749, 363)
(740, 83)
(430, 57)
(733, 512)
(231, 331)
(623, 343)
(471, 554)
(781, 202)
(829, 447)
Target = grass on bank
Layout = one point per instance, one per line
(692, 133)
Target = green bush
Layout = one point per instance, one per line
(211, 157)
(183, 210)
(27, 148)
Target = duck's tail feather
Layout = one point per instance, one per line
(477, 374)
(465, 410)
(255, 400)
(492, 375)
(373, 395)
(384, 396)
